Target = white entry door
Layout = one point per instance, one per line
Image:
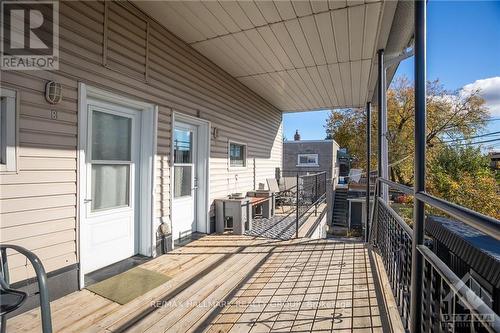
(112, 165)
(185, 180)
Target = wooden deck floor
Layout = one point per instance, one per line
(236, 284)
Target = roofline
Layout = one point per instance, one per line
(312, 141)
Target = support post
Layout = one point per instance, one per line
(419, 170)
(297, 208)
(368, 158)
(383, 154)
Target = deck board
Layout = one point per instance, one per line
(228, 283)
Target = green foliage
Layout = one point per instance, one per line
(457, 174)
(348, 128)
(449, 115)
(461, 174)
(457, 160)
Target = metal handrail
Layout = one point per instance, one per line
(486, 224)
(41, 278)
(317, 198)
(403, 188)
(483, 223)
(473, 302)
(313, 174)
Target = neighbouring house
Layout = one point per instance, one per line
(310, 156)
(153, 113)
(494, 160)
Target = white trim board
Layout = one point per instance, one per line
(203, 206)
(12, 104)
(149, 115)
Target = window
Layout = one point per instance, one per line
(183, 162)
(111, 153)
(7, 130)
(237, 155)
(307, 160)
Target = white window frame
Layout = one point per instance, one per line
(315, 156)
(12, 105)
(229, 155)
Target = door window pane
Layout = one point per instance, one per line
(183, 146)
(110, 186)
(182, 180)
(237, 154)
(111, 137)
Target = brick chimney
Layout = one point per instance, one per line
(296, 137)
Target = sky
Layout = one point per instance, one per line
(463, 52)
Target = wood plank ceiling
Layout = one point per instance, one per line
(299, 55)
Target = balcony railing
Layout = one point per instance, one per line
(430, 296)
(311, 192)
(448, 304)
(300, 198)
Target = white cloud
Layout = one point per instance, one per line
(489, 89)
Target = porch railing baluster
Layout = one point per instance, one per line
(444, 297)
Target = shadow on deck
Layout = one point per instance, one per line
(239, 284)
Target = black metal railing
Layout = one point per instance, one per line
(41, 277)
(310, 192)
(448, 304)
(430, 295)
(393, 239)
(299, 198)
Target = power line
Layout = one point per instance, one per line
(473, 137)
(478, 142)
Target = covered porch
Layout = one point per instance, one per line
(297, 56)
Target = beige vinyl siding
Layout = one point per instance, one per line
(38, 204)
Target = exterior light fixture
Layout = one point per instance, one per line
(53, 92)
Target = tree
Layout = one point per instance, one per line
(461, 174)
(456, 174)
(348, 128)
(449, 115)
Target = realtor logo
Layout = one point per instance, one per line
(464, 318)
(30, 35)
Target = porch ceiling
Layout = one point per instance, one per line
(299, 55)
